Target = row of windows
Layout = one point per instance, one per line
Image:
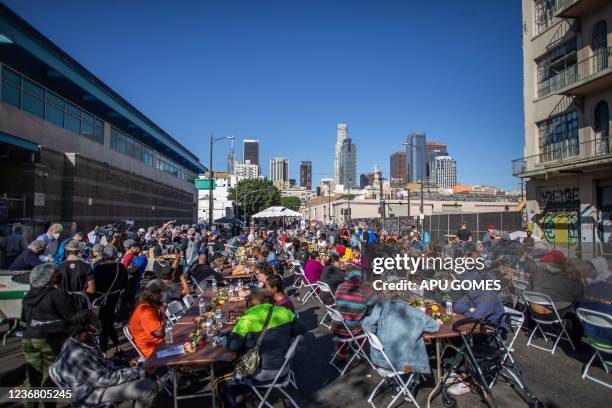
(122, 143)
(169, 166)
(544, 15)
(22, 93)
(557, 68)
(25, 94)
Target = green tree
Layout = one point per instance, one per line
(254, 195)
(292, 203)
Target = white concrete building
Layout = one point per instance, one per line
(279, 171)
(341, 135)
(443, 172)
(222, 205)
(246, 170)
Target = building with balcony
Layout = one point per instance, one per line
(73, 150)
(567, 162)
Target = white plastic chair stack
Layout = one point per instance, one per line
(288, 378)
(354, 343)
(600, 320)
(545, 300)
(385, 374)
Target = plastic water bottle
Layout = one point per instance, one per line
(214, 284)
(219, 318)
(168, 338)
(202, 306)
(449, 307)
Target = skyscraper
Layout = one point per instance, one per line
(443, 171)
(279, 171)
(250, 151)
(366, 179)
(432, 150)
(231, 160)
(306, 174)
(415, 154)
(341, 135)
(348, 163)
(398, 169)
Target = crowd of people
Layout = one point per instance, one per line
(84, 289)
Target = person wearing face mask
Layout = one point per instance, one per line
(46, 311)
(51, 238)
(29, 258)
(147, 323)
(94, 380)
(60, 256)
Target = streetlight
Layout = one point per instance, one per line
(350, 180)
(420, 150)
(213, 140)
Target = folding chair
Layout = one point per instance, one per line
(515, 321)
(188, 300)
(298, 272)
(603, 321)
(174, 311)
(311, 289)
(546, 301)
(387, 374)
(324, 288)
(352, 342)
(276, 384)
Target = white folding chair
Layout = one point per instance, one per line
(546, 301)
(603, 321)
(275, 384)
(174, 311)
(386, 374)
(130, 339)
(311, 289)
(188, 300)
(516, 321)
(353, 343)
(324, 288)
(298, 272)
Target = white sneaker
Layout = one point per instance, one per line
(459, 389)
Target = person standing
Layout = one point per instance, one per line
(61, 255)
(463, 233)
(76, 275)
(529, 242)
(14, 245)
(46, 312)
(51, 239)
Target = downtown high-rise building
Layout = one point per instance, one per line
(246, 170)
(443, 171)
(367, 179)
(306, 175)
(279, 171)
(433, 149)
(398, 169)
(348, 163)
(415, 156)
(341, 136)
(250, 151)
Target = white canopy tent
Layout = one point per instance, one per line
(277, 212)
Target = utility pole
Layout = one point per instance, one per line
(349, 200)
(382, 201)
(210, 184)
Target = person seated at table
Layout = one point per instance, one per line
(274, 284)
(481, 304)
(598, 297)
(262, 272)
(313, 267)
(94, 380)
(354, 300)
(147, 322)
(282, 328)
(301, 253)
(173, 291)
(46, 312)
(30, 257)
(202, 271)
(332, 275)
(400, 329)
(257, 256)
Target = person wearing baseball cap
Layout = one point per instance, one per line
(76, 274)
(488, 236)
(147, 322)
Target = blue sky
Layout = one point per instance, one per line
(286, 72)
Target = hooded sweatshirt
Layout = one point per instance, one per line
(46, 311)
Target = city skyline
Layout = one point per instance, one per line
(208, 91)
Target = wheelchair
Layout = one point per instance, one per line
(485, 357)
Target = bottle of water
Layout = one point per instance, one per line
(202, 306)
(168, 338)
(449, 307)
(214, 284)
(219, 318)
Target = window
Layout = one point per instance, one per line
(87, 125)
(544, 13)
(599, 43)
(559, 137)
(54, 112)
(557, 68)
(33, 98)
(124, 144)
(99, 131)
(11, 87)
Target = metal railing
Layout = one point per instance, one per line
(584, 69)
(569, 152)
(563, 4)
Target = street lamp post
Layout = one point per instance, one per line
(213, 140)
(350, 180)
(420, 150)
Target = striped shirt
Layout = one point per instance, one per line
(354, 300)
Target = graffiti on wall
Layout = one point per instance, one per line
(560, 196)
(561, 227)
